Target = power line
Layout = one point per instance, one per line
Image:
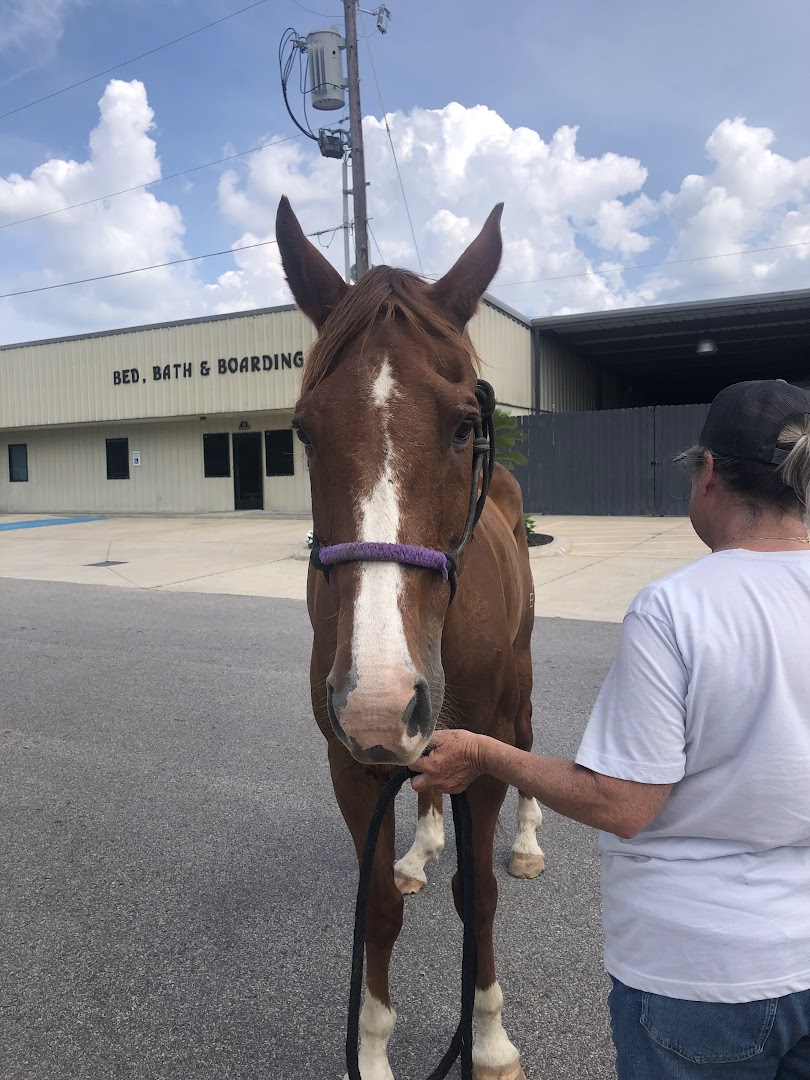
(320, 14)
(391, 144)
(124, 63)
(150, 183)
(291, 40)
(647, 266)
(156, 266)
(376, 245)
(337, 228)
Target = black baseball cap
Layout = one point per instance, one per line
(745, 419)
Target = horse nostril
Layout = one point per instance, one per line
(331, 710)
(417, 718)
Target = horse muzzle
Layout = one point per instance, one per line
(390, 726)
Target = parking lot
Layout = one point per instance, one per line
(178, 886)
(177, 883)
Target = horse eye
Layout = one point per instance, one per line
(302, 435)
(464, 431)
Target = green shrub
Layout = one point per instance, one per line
(507, 434)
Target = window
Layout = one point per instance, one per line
(18, 463)
(278, 453)
(118, 459)
(217, 455)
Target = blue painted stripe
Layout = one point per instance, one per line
(8, 525)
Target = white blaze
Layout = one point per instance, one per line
(380, 652)
(384, 388)
(378, 640)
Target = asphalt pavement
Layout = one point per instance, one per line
(177, 885)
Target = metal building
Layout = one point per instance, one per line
(633, 357)
(194, 417)
(618, 394)
(185, 417)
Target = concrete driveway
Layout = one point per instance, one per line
(591, 572)
(609, 559)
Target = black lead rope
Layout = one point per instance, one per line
(461, 1043)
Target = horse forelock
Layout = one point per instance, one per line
(381, 295)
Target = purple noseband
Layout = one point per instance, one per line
(376, 552)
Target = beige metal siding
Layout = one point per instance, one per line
(67, 470)
(505, 348)
(81, 380)
(568, 383)
(74, 381)
(64, 399)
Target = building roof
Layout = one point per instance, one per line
(490, 301)
(752, 334)
(151, 326)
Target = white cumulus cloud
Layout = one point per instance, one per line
(569, 218)
(456, 163)
(750, 197)
(132, 230)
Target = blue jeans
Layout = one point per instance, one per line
(660, 1038)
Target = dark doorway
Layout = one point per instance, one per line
(248, 483)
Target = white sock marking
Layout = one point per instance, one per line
(491, 1048)
(529, 820)
(428, 844)
(376, 1024)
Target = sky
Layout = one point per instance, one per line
(645, 153)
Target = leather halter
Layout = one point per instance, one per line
(446, 562)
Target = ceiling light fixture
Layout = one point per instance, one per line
(706, 347)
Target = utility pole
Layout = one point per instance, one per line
(347, 258)
(356, 134)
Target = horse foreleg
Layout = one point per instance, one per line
(494, 1055)
(428, 844)
(357, 790)
(527, 859)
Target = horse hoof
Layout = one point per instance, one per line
(408, 885)
(526, 866)
(501, 1072)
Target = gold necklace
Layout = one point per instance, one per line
(791, 539)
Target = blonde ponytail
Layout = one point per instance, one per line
(795, 469)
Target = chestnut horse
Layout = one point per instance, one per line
(387, 412)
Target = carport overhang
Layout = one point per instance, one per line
(650, 354)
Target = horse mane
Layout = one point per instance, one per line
(385, 292)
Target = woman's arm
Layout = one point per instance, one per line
(623, 807)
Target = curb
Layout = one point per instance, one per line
(560, 545)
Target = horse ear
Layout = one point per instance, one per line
(314, 282)
(462, 287)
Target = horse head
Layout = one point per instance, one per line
(387, 414)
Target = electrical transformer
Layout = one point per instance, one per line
(325, 66)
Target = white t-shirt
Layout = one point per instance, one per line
(710, 691)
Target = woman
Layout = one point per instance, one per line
(695, 766)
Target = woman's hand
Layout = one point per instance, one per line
(452, 763)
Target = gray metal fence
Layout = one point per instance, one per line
(617, 461)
